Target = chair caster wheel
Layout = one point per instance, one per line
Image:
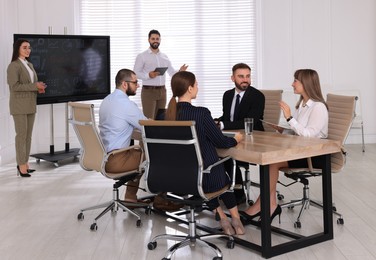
(152, 245)
(280, 197)
(297, 224)
(217, 258)
(138, 223)
(148, 211)
(230, 244)
(94, 227)
(80, 216)
(340, 221)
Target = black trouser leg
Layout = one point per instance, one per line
(239, 193)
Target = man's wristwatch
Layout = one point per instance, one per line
(288, 119)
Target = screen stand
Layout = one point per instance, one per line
(53, 156)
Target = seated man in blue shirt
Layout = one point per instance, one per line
(118, 117)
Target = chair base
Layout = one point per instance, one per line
(192, 239)
(113, 206)
(305, 202)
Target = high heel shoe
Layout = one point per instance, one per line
(19, 173)
(226, 227)
(238, 226)
(277, 211)
(30, 170)
(246, 218)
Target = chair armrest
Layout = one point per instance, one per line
(125, 149)
(141, 166)
(312, 171)
(308, 169)
(208, 169)
(83, 123)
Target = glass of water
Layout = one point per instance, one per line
(248, 126)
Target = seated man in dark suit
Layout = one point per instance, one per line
(238, 103)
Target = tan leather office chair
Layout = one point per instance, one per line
(94, 157)
(341, 111)
(272, 113)
(174, 165)
(357, 122)
(272, 110)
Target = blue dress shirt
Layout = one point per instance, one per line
(118, 117)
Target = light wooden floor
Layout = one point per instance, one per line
(38, 217)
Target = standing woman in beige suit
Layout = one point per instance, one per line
(24, 86)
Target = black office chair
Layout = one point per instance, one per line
(174, 165)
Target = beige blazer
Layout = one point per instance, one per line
(23, 93)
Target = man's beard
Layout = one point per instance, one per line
(130, 92)
(154, 45)
(241, 87)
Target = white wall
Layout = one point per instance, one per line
(335, 37)
(24, 16)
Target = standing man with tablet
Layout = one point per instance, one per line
(150, 67)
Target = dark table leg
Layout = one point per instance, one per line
(266, 238)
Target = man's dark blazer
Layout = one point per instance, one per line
(252, 105)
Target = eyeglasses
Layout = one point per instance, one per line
(134, 82)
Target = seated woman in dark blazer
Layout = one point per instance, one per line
(184, 87)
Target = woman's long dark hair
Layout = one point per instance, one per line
(179, 86)
(16, 48)
(311, 84)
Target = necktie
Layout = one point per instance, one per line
(236, 109)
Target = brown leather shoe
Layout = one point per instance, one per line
(162, 203)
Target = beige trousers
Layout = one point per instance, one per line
(152, 100)
(23, 124)
(126, 161)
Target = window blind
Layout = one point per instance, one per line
(210, 36)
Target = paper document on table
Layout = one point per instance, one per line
(284, 126)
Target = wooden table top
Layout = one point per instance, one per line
(265, 148)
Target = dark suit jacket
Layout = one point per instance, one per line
(23, 93)
(210, 137)
(252, 106)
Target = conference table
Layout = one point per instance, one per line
(265, 148)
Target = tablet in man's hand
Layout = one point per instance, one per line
(161, 70)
